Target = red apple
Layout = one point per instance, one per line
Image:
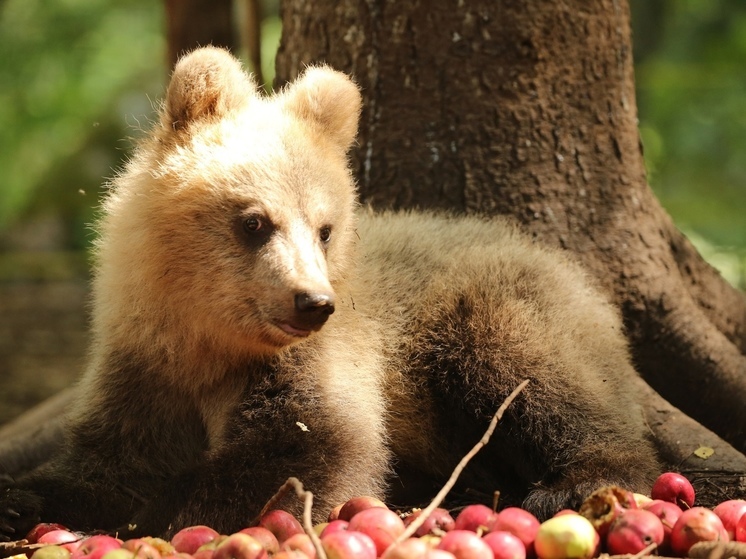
(141, 549)
(300, 542)
(730, 512)
(696, 524)
(357, 504)
(239, 546)
(465, 544)
(346, 544)
(383, 526)
(281, 523)
(633, 531)
(505, 545)
(439, 554)
(439, 520)
(570, 536)
(474, 516)
(674, 488)
(290, 554)
(518, 522)
(264, 537)
(668, 513)
(189, 540)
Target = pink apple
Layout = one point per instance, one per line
(674, 488)
(300, 542)
(570, 536)
(696, 524)
(264, 537)
(465, 544)
(189, 540)
(518, 522)
(474, 516)
(334, 526)
(357, 504)
(96, 547)
(730, 512)
(346, 544)
(439, 520)
(281, 523)
(239, 546)
(64, 538)
(383, 526)
(411, 548)
(633, 531)
(505, 545)
(40, 529)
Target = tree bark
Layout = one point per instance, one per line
(527, 108)
(194, 23)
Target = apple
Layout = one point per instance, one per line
(189, 540)
(334, 526)
(633, 531)
(382, 525)
(518, 522)
(264, 537)
(290, 554)
(505, 545)
(604, 505)
(411, 548)
(696, 524)
(40, 529)
(346, 544)
(439, 554)
(51, 552)
(357, 504)
(64, 538)
(281, 523)
(141, 549)
(473, 517)
(120, 553)
(239, 546)
(97, 546)
(300, 542)
(570, 536)
(668, 513)
(465, 544)
(730, 512)
(674, 488)
(439, 520)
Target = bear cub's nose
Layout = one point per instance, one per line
(315, 307)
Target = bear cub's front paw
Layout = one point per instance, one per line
(19, 511)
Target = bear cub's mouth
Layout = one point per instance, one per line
(294, 331)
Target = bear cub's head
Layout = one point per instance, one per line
(234, 221)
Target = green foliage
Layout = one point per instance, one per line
(71, 72)
(691, 89)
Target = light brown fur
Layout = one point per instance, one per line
(204, 362)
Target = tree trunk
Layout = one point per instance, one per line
(194, 23)
(527, 108)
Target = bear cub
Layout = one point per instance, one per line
(251, 323)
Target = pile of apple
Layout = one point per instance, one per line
(611, 520)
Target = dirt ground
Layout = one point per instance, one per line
(43, 333)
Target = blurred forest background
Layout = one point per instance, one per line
(80, 79)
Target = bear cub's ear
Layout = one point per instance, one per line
(207, 83)
(328, 99)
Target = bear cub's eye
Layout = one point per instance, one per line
(253, 224)
(325, 234)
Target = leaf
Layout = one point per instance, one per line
(704, 452)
